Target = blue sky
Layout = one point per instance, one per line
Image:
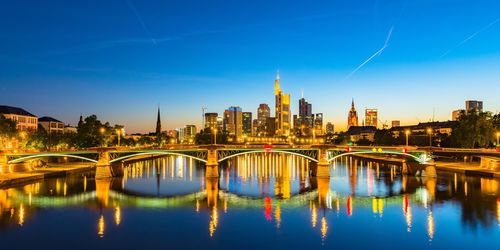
(120, 59)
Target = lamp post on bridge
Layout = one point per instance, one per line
(215, 136)
(407, 133)
(102, 130)
(119, 132)
(429, 131)
(498, 137)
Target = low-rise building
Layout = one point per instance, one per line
(70, 129)
(25, 120)
(51, 125)
(445, 127)
(357, 133)
(455, 115)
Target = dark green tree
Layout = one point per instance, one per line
(205, 136)
(384, 137)
(474, 129)
(7, 127)
(92, 133)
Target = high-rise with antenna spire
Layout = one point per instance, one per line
(283, 118)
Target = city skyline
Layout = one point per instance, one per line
(409, 61)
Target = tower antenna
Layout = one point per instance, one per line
(203, 109)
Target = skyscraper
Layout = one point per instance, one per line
(263, 112)
(211, 120)
(371, 117)
(473, 105)
(189, 133)
(305, 122)
(318, 124)
(283, 118)
(233, 121)
(270, 126)
(247, 123)
(330, 129)
(352, 119)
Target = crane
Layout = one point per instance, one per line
(384, 124)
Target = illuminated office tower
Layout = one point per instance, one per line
(263, 112)
(247, 123)
(233, 121)
(371, 117)
(283, 118)
(211, 120)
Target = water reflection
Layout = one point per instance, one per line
(276, 187)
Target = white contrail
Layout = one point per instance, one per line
(470, 37)
(139, 19)
(372, 56)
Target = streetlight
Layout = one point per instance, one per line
(120, 132)
(102, 130)
(498, 137)
(215, 136)
(429, 131)
(407, 133)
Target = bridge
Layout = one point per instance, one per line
(213, 155)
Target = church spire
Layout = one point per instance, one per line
(158, 123)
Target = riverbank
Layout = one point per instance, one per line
(468, 169)
(57, 170)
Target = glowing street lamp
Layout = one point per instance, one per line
(120, 132)
(498, 137)
(215, 136)
(102, 130)
(407, 133)
(429, 131)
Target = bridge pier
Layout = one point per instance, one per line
(323, 166)
(212, 169)
(103, 166)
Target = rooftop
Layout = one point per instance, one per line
(48, 119)
(14, 110)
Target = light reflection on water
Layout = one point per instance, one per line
(268, 198)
